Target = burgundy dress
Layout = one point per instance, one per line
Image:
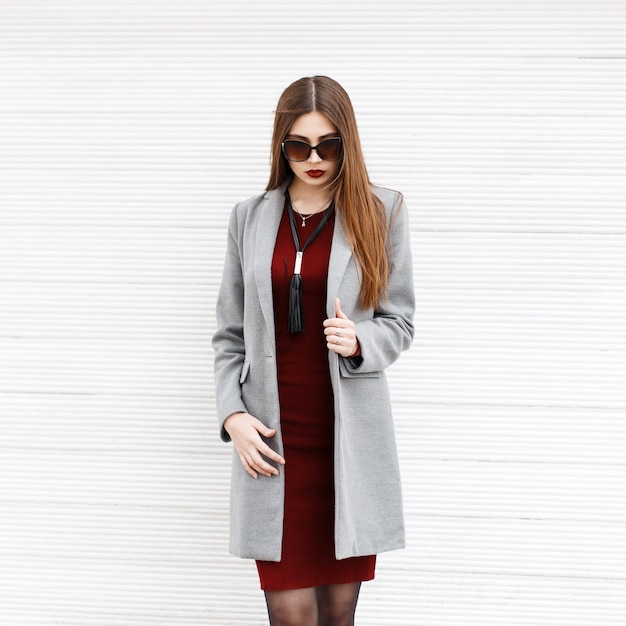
(307, 424)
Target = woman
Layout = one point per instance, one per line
(316, 301)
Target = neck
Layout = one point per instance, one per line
(307, 201)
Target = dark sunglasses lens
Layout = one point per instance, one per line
(296, 150)
(330, 150)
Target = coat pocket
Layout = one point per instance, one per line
(346, 372)
(244, 372)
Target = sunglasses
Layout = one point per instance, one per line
(328, 150)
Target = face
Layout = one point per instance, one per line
(315, 172)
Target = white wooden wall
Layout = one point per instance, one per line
(127, 131)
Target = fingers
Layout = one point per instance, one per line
(264, 430)
(343, 346)
(338, 312)
(254, 463)
(245, 432)
(340, 333)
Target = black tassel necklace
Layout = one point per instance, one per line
(296, 320)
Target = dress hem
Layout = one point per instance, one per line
(319, 582)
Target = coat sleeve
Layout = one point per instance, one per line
(228, 341)
(389, 329)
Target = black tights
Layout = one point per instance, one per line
(329, 605)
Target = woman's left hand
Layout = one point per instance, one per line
(340, 333)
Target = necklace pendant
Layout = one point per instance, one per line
(303, 222)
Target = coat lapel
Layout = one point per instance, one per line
(340, 255)
(267, 222)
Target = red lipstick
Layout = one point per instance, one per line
(315, 173)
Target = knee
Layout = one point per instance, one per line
(292, 618)
(336, 616)
(293, 615)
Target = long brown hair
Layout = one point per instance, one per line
(362, 213)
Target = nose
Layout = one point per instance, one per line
(314, 157)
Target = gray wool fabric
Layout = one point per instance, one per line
(368, 497)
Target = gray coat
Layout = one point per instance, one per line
(368, 499)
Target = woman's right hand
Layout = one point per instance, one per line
(245, 432)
